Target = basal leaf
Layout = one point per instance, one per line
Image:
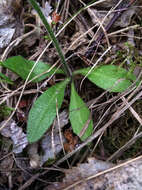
(79, 115)
(5, 79)
(43, 111)
(109, 77)
(22, 67)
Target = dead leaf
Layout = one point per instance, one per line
(9, 23)
(127, 177)
(18, 137)
(123, 21)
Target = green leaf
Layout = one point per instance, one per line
(22, 67)
(5, 79)
(79, 115)
(109, 77)
(43, 111)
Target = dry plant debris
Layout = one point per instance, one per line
(16, 134)
(117, 117)
(116, 178)
(10, 25)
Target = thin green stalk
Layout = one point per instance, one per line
(52, 36)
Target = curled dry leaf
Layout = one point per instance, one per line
(123, 21)
(6, 27)
(18, 137)
(46, 11)
(55, 17)
(72, 141)
(9, 23)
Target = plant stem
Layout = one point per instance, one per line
(52, 36)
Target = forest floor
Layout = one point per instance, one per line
(91, 34)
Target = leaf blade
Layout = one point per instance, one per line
(79, 114)
(22, 67)
(109, 77)
(5, 79)
(43, 111)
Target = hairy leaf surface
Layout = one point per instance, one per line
(79, 115)
(109, 77)
(22, 67)
(43, 111)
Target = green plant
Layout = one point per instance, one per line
(5, 111)
(109, 77)
(43, 112)
(4, 78)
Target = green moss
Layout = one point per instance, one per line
(5, 111)
(121, 132)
